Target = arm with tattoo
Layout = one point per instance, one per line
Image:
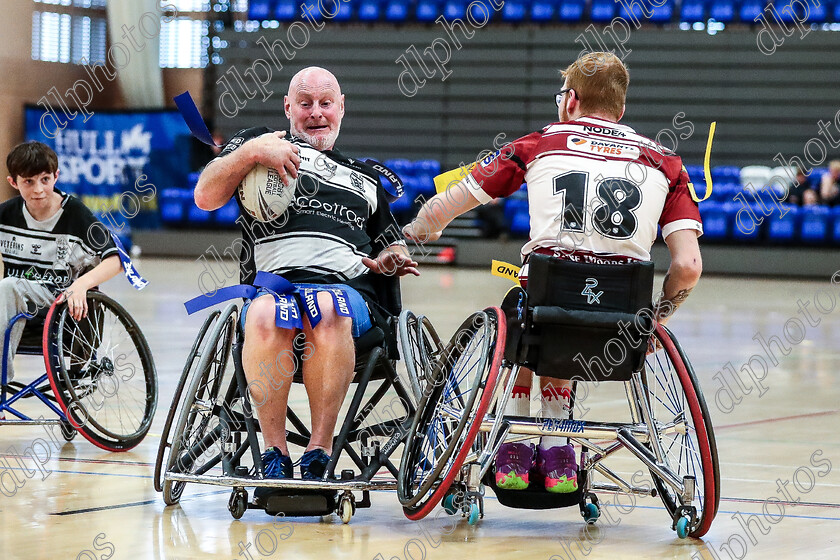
(683, 274)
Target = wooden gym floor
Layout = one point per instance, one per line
(94, 504)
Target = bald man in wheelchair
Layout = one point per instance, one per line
(333, 238)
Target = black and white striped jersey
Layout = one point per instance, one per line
(56, 251)
(339, 215)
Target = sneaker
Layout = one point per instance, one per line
(513, 462)
(559, 468)
(313, 464)
(275, 464)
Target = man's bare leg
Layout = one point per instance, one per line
(328, 372)
(264, 342)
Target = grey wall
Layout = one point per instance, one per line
(503, 80)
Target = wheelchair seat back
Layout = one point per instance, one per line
(585, 321)
(31, 341)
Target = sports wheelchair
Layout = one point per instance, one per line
(100, 377)
(560, 329)
(210, 435)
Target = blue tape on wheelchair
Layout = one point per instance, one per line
(196, 124)
(131, 273)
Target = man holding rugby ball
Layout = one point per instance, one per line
(328, 243)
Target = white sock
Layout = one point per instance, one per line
(520, 401)
(555, 404)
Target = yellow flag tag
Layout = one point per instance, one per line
(706, 170)
(447, 179)
(505, 270)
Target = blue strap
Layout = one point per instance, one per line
(192, 117)
(310, 305)
(131, 273)
(341, 301)
(222, 294)
(274, 282)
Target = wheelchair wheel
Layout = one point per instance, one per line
(197, 350)
(419, 348)
(674, 395)
(101, 372)
(450, 414)
(196, 443)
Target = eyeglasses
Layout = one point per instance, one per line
(558, 97)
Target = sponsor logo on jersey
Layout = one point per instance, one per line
(356, 181)
(11, 245)
(36, 249)
(489, 159)
(333, 210)
(606, 131)
(602, 147)
(557, 425)
(591, 297)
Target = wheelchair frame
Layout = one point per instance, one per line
(236, 433)
(50, 387)
(475, 429)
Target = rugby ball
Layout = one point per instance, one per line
(263, 194)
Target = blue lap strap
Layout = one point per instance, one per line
(287, 313)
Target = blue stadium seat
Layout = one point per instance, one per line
(601, 11)
(693, 11)
(725, 191)
(700, 188)
(835, 228)
(369, 10)
(836, 13)
(260, 9)
(345, 11)
(818, 14)
(429, 167)
(286, 10)
(423, 184)
(626, 16)
(695, 172)
(571, 10)
(751, 9)
(521, 223)
(396, 11)
(746, 227)
(227, 214)
(514, 205)
(814, 14)
(715, 226)
(403, 204)
(663, 13)
(427, 10)
(173, 205)
(783, 230)
(726, 174)
(722, 10)
(404, 168)
(192, 179)
(542, 10)
(814, 224)
(513, 11)
(454, 9)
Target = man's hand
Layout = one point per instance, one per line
(416, 232)
(76, 296)
(390, 262)
(272, 150)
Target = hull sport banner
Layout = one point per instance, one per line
(117, 161)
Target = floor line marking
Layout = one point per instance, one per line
(778, 419)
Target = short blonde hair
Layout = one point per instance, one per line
(600, 80)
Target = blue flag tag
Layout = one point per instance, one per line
(131, 273)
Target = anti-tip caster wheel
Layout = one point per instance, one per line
(345, 509)
(474, 514)
(590, 513)
(682, 527)
(449, 504)
(238, 503)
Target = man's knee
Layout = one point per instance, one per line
(260, 323)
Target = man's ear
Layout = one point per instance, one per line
(12, 182)
(287, 106)
(342, 105)
(623, 107)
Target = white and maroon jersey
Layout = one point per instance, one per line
(594, 186)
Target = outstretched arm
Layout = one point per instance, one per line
(683, 274)
(438, 212)
(222, 176)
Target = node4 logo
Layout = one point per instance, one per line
(591, 297)
(93, 156)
